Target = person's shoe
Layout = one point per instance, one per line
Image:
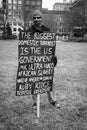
(55, 104)
(34, 106)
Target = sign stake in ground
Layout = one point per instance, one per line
(38, 105)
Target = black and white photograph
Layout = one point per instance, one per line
(43, 64)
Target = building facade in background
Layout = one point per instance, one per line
(14, 15)
(0, 3)
(79, 22)
(2, 17)
(1, 21)
(79, 7)
(1, 14)
(14, 10)
(62, 6)
(59, 19)
(28, 8)
(18, 13)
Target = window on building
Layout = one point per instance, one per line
(15, 12)
(9, 6)
(64, 30)
(59, 30)
(9, 1)
(85, 12)
(32, 2)
(9, 12)
(33, 8)
(19, 1)
(14, 1)
(19, 13)
(19, 7)
(27, 2)
(27, 8)
(14, 7)
(9, 18)
(38, 3)
(68, 30)
(38, 7)
(65, 9)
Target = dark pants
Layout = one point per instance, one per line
(50, 95)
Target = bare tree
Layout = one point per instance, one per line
(78, 18)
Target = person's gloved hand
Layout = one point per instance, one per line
(54, 60)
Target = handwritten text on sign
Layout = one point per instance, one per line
(36, 68)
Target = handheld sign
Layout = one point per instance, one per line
(35, 63)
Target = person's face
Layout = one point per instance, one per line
(37, 20)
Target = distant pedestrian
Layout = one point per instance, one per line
(8, 30)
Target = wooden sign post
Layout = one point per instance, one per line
(38, 105)
(35, 64)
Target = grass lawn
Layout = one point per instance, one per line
(70, 83)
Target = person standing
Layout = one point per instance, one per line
(8, 30)
(37, 26)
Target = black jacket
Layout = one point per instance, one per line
(40, 29)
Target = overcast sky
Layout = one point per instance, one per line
(49, 3)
